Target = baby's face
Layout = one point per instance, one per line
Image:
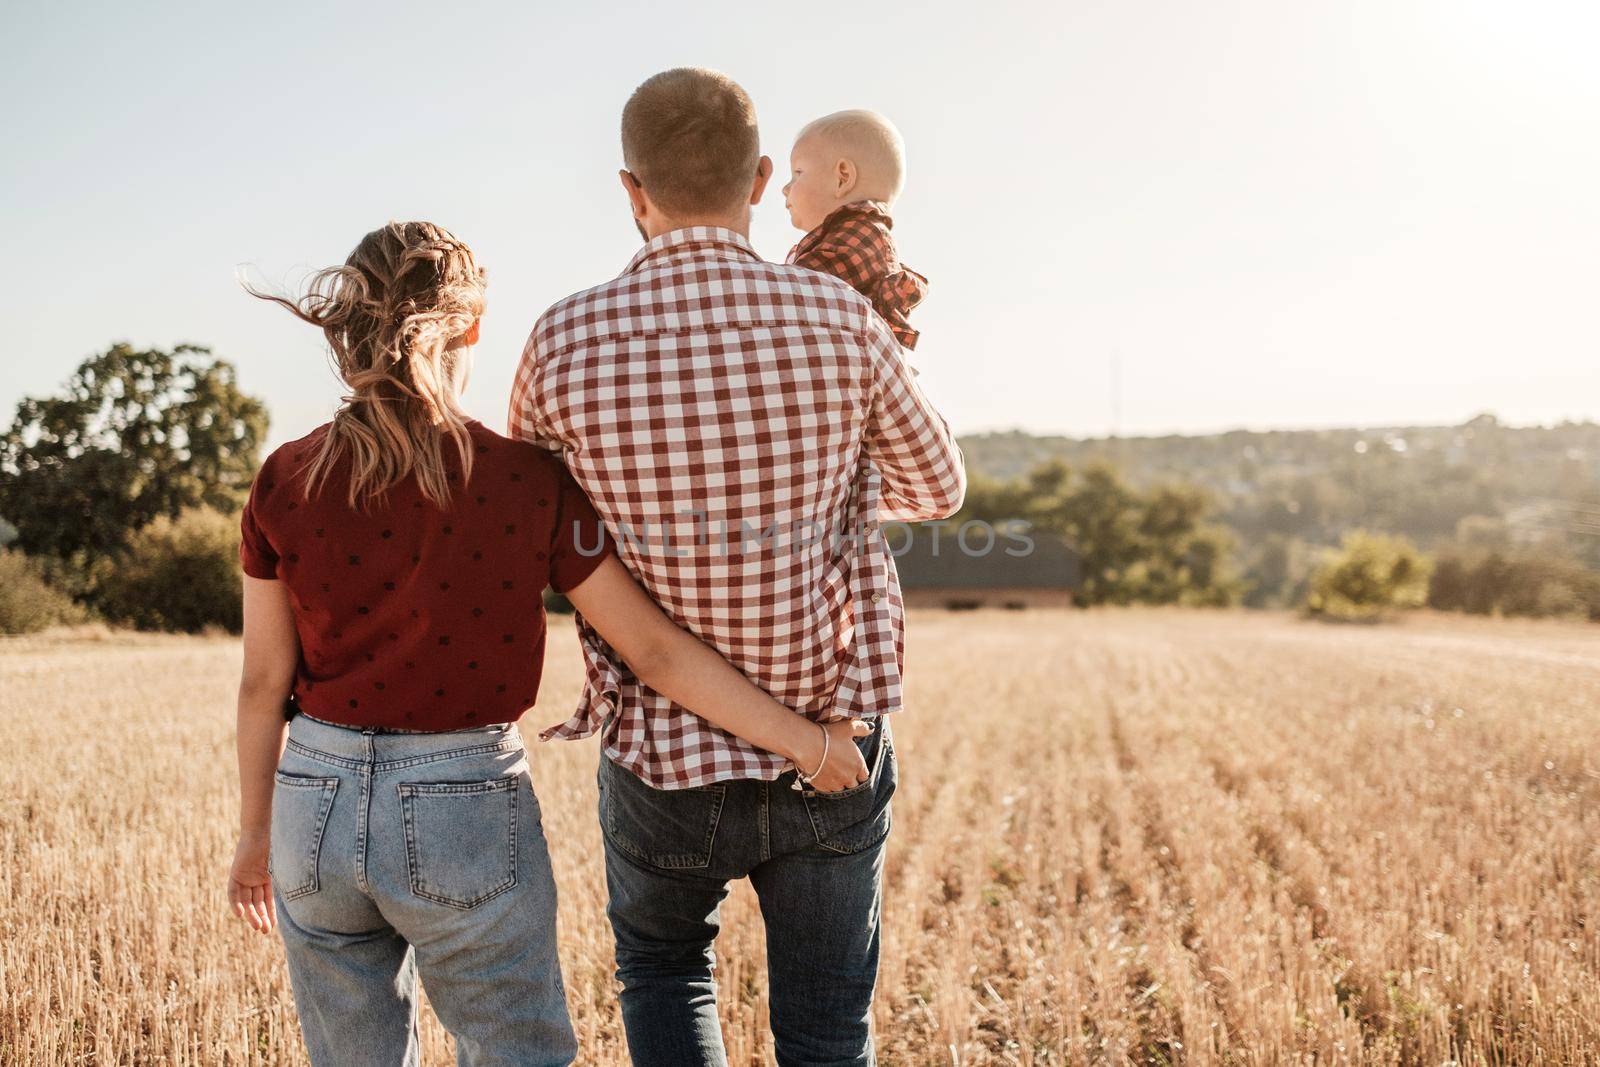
(812, 191)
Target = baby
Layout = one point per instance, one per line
(845, 171)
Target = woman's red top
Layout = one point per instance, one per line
(413, 617)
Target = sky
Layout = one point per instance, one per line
(1136, 217)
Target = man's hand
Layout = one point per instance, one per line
(845, 766)
(250, 886)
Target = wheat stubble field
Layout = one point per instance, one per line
(1147, 837)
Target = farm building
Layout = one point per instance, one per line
(937, 571)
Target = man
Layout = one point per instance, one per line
(742, 427)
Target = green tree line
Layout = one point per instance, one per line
(1156, 546)
(1171, 544)
(122, 493)
(119, 500)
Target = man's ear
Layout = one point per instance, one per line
(763, 175)
(844, 177)
(636, 198)
(471, 336)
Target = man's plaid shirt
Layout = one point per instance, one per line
(742, 427)
(853, 244)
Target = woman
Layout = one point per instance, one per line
(395, 560)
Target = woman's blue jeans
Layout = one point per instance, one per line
(396, 855)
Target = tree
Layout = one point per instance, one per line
(137, 435)
(177, 574)
(1531, 580)
(1184, 559)
(1100, 517)
(27, 602)
(1368, 575)
(1277, 570)
(1156, 547)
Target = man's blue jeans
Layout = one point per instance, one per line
(816, 862)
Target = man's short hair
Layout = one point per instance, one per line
(689, 136)
(869, 140)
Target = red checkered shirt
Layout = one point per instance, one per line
(853, 243)
(742, 427)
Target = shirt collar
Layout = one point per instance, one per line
(717, 242)
(866, 208)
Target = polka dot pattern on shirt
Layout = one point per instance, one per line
(412, 616)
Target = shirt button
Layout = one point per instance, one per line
(877, 598)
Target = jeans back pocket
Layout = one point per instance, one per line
(669, 828)
(300, 809)
(461, 839)
(855, 819)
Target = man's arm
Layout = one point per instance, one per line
(924, 474)
(525, 419)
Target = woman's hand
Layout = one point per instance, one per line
(679, 666)
(845, 766)
(250, 886)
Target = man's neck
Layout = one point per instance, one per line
(739, 224)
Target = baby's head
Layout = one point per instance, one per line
(849, 155)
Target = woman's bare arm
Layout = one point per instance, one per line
(271, 652)
(681, 667)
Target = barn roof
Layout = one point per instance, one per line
(934, 558)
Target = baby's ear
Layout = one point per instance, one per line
(844, 173)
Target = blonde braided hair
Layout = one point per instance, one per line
(395, 315)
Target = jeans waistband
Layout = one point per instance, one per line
(392, 729)
(372, 744)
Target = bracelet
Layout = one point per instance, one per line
(801, 776)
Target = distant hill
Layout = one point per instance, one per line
(1432, 483)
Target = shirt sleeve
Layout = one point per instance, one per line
(256, 554)
(579, 542)
(924, 473)
(526, 420)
